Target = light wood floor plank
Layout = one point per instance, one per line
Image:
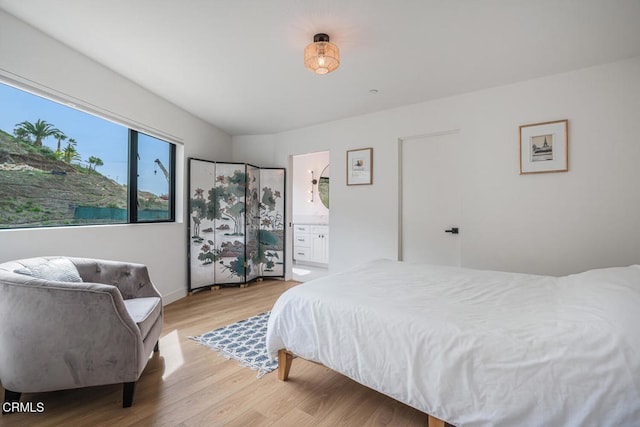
(186, 384)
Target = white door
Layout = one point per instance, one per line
(430, 201)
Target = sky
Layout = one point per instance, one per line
(95, 137)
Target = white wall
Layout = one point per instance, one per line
(29, 56)
(592, 211)
(303, 210)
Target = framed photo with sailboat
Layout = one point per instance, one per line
(544, 147)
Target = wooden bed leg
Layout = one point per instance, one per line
(284, 364)
(435, 422)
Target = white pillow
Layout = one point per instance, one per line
(56, 269)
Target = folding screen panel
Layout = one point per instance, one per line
(272, 223)
(229, 224)
(253, 223)
(236, 223)
(202, 251)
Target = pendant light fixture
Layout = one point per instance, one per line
(321, 56)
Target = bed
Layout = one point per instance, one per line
(473, 347)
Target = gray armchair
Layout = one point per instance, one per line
(75, 322)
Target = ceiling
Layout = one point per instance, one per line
(238, 63)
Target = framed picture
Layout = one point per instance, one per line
(544, 147)
(360, 166)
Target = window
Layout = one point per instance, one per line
(61, 166)
(154, 187)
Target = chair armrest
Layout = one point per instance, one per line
(131, 279)
(82, 332)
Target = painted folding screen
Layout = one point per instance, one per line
(236, 224)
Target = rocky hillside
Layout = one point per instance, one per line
(38, 189)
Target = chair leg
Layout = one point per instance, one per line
(127, 394)
(10, 396)
(156, 347)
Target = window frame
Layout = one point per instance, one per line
(132, 186)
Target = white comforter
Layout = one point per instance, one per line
(476, 348)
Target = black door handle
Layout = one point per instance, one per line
(453, 230)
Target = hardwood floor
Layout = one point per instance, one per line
(186, 384)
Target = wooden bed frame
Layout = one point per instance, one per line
(285, 359)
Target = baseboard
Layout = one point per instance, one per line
(310, 263)
(173, 296)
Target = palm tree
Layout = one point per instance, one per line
(21, 134)
(59, 136)
(95, 161)
(70, 153)
(40, 130)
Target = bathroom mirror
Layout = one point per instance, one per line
(323, 186)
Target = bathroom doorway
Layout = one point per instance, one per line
(311, 177)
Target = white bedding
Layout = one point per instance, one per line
(476, 348)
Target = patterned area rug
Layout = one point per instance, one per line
(244, 341)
